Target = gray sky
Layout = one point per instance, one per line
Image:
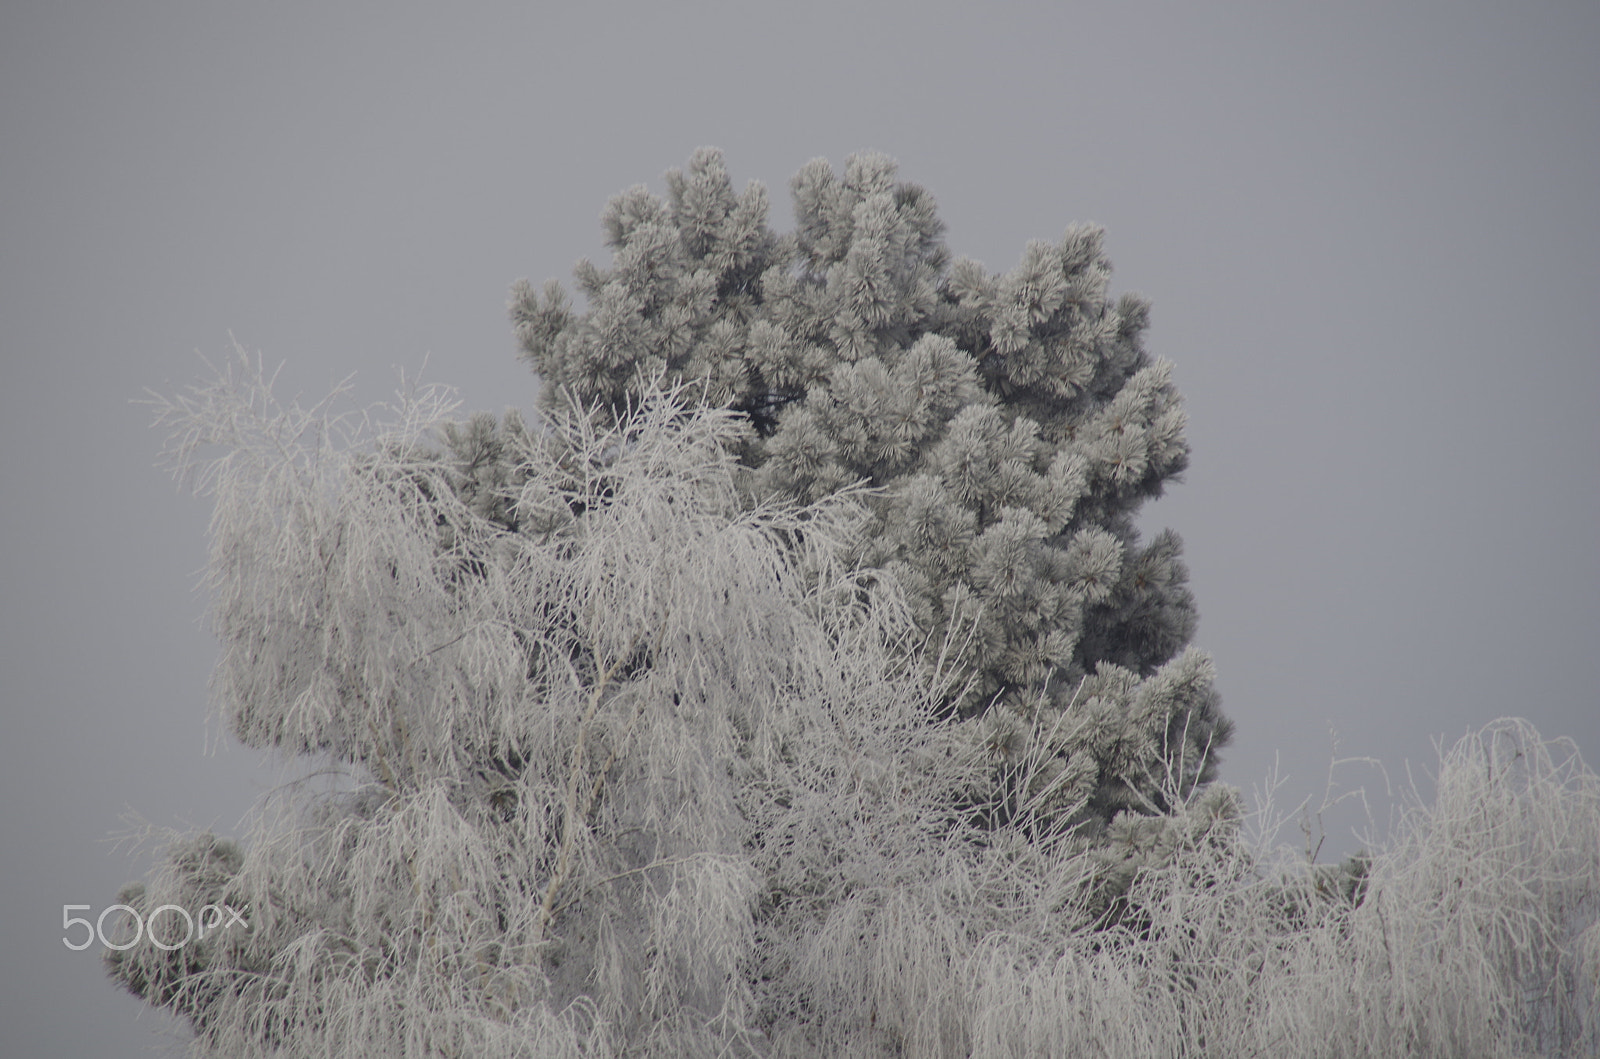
(1370, 232)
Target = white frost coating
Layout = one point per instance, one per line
(631, 767)
(573, 743)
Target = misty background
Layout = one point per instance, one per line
(1370, 233)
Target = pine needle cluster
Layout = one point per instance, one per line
(1011, 426)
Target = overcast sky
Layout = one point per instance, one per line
(1370, 232)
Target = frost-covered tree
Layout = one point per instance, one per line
(609, 756)
(1010, 427)
(614, 745)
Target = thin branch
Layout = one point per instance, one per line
(570, 827)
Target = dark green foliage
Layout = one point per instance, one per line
(1012, 426)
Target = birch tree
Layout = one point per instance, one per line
(607, 755)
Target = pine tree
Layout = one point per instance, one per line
(701, 727)
(1011, 427)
